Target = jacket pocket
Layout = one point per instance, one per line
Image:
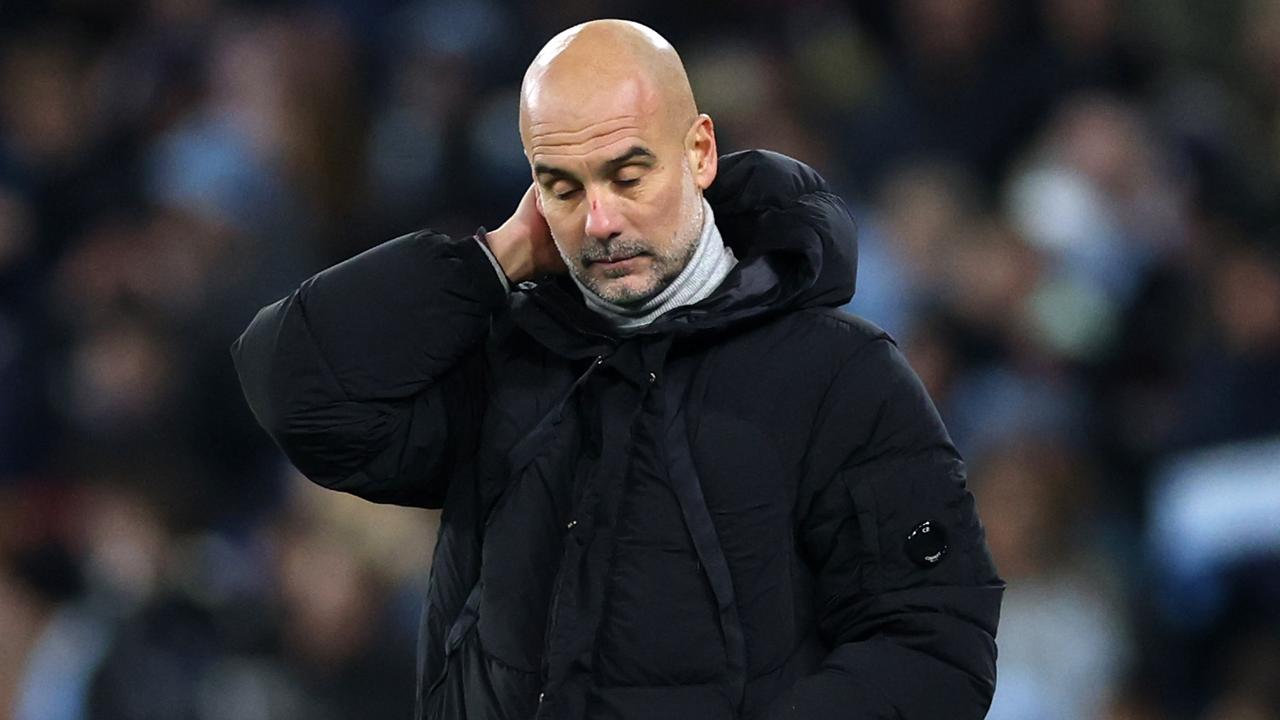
(478, 686)
(458, 631)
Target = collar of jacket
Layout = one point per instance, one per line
(796, 244)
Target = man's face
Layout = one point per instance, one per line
(617, 191)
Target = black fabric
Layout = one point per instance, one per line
(705, 518)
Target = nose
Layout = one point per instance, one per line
(603, 220)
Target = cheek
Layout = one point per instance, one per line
(566, 230)
(662, 215)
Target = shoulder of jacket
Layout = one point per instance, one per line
(847, 330)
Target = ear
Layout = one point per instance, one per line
(533, 183)
(700, 148)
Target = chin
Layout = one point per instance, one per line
(625, 298)
(621, 292)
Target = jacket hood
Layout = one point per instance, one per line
(795, 241)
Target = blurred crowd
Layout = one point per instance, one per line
(1068, 218)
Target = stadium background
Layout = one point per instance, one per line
(1067, 213)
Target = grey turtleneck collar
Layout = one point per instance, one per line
(710, 264)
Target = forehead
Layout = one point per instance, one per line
(579, 120)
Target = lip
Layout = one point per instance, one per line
(618, 263)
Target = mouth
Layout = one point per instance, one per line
(615, 261)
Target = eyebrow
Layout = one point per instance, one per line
(634, 154)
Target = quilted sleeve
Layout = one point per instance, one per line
(370, 375)
(907, 595)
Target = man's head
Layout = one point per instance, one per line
(619, 154)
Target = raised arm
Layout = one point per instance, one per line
(370, 375)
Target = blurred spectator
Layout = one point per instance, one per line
(1215, 550)
(1101, 205)
(964, 87)
(905, 239)
(1064, 646)
(1234, 377)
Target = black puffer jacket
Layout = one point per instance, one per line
(711, 518)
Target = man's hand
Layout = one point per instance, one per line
(523, 244)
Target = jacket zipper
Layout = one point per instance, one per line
(558, 584)
(553, 615)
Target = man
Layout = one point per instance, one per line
(677, 483)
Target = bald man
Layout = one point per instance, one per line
(677, 482)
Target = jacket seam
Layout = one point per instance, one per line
(826, 395)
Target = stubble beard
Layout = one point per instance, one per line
(664, 268)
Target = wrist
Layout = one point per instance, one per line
(512, 255)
